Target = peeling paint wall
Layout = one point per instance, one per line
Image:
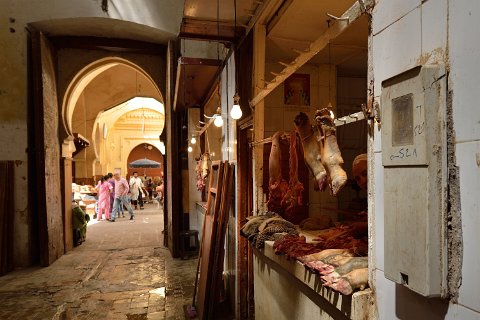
(406, 34)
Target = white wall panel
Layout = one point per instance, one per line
(460, 312)
(464, 54)
(379, 213)
(434, 30)
(397, 48)
(386, 12)
(470, 208)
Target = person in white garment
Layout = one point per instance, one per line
(136, 186)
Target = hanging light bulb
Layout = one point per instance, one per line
(218, 118)
(236, 112)
(190, 149)
(218, 121)
(193, 140)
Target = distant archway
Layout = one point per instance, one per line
(149, 151)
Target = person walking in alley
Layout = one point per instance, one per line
(121, 192)
(104, 189)
(136, 186)
(111, 181)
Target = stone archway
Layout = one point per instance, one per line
(86, 75)
(149, 151)
(91, 76)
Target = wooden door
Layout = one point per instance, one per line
(44, 146)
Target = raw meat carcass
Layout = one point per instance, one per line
(292, 200)
(324, 254)
(330, 153)
(284, 197)
(356, 279)
(200, 180)
(311, 150)
(205, 165)
(295, 246)
(330, 274)
(202, 170)
(277, 186)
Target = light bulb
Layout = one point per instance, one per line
(236, 112)
(193, 140)
(190, 149)
(218, 121)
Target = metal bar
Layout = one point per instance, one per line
(351, 118)
(338, 18)
(353, 13)
(354, 117)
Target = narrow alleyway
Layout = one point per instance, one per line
(122, 271)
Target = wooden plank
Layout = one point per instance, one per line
(244, 207)
(7, 211)
(209, 239)
(353, 13)
(222, 222)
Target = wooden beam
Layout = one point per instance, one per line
(209, 30)
(108, 44)
(353, 13)
(200, 62)
(177, 83)
(259, 37)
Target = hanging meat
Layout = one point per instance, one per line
(311, 151)
(292, 200)
(202, 169)
(285, 198)
(200, 180)
(330, 153)
(277, 186)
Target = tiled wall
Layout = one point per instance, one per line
(409, 33)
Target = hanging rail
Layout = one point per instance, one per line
(351, 118)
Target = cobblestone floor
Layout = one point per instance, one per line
(122, 271)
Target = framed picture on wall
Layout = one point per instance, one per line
(297, 90)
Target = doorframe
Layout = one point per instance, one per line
(245, 187)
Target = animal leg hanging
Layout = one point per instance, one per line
(330, 153)
(311, 151)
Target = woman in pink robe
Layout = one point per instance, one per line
(104, 189)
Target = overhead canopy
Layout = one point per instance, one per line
(144, 163)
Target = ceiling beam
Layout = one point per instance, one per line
(348, 17)
(108, 44)
(209, 30)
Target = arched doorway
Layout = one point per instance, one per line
(83, 89)
(146, 151)
(111, 104)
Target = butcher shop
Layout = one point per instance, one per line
(321, 168)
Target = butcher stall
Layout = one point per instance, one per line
(319, 261)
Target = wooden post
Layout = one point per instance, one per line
(259, 38)
(67, 200)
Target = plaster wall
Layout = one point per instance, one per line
(408, 34)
